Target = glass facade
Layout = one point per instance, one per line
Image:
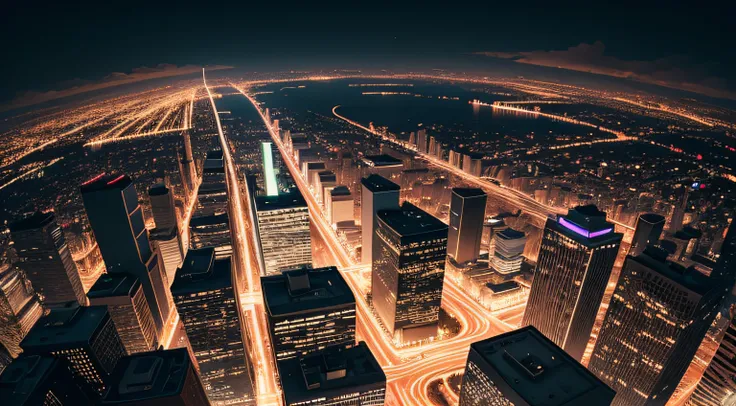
(467, 211)
(283, 231)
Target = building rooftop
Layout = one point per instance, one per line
(159, 189)
(652, 218)
(503, 286)
(655, 258)
(106, 181)
(201, 221)
(539, 371)
(200, 272)
(466, 192)
(377, 183)
(340, 191)
(510, 234)
(331, 373)
(149, 375)
(410, 219)
(163, 234)
(315, 166)
(283, 201)
(67, 326)
(32, 222)
(327, 176)
(382, 161)
(110, 285)
(19, 380)
(304, 290)
(587, 225)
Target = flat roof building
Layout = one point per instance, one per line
(335, 377)
(32, 380)
(525, 368)
(377, 193)
(308, 310)
(283, 232)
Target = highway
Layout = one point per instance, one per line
(410, 369)
(265, 379)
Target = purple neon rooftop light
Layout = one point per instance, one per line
(581, 231)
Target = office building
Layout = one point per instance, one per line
(187, 169)
(283, 232)
(212, 231)
(312, 167)
(649, 227)
(270, 172)
(339, 204)
(33, 380)
(167, 243)
(575, 260)
(422, 141)
(507, 253)
(323, 183)
(162, 207)
(409, 254)
(525, 368)
(333, 378)
(123, 295)
(472, 164)
(111, 203)
(83, 336)
(205, 299)
(308, 310)
(657, 318)
(45, 258)
(382, 165)
(19, 308)
(377, 193)
(212, 198)
(467, 211)
(491, 227)
(156, 378)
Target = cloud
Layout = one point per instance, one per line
(79, 86)
(677, 72)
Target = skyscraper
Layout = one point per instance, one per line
(46, 260)
(717, 387)
(19, 308)
(211, 231)
(212, 197)
(648, 229)
(335, 377)
(156, 378)
(40, 380)
(575, 260)
(657, 318)
(186, 166)
(508, 249)
(324, 182)
(422, 141)
(205, 299)
(123, 295)
(377, 193)
(167, 244)
(467, 211)
(117, 221)
(283, 232)
(162, 207)
(85, 337)
(409, 254)
(525, 368)
(339, 205)
(308, 310)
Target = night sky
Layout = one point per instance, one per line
(47, 46)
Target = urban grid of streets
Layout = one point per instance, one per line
(408, 380)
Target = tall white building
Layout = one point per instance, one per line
(509, 247)
(339, 204)
(377, 193)
(283, 232)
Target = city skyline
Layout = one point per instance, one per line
(538, 221)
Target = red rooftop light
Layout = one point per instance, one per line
(112, 182)
(96, 178)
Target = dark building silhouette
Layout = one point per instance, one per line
(111, 203)
(409, 257)
(156, 378)
(123, 295)
(32, 380)
(205, 299)
(85, 337)
(525, 368)
(575, 261)
(333, 377)
(19, 308)
(308, 310)
(657, 318)
(649, 227)
(46, 260)
(467, 211)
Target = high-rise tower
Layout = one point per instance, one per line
(46, 259)
(378, 193)
(648, 229)
(19, 308)
(574, 264)
(467, 211)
